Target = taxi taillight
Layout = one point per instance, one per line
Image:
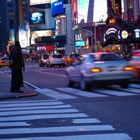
(95, 70)
(127, 68)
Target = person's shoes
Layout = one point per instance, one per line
(20, 91)
(17, 91)
(12, 90)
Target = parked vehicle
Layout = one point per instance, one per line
(44, 60)
(101, 67)
(4, 61)
(56, 60)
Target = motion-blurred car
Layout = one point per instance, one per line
(44, 60)
(56, 60)
(103, 67)
(4, 61)
(71, 58)
(135, 62)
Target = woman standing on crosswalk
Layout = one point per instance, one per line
(17, 65)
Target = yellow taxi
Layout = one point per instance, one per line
(4, 61)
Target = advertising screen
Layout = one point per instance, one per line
(24, 34)
(116, 7)
(41, 33)
(74, 12)
(84, 8)
(36, 2)
(57, 7)
(37, 17)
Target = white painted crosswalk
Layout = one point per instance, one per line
(18, 118)
(72, 93)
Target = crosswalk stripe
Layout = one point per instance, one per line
(114, 92)
(16, 121)
(54, 94)
(35, 101)
(5, 124)
(33, 117)
(113, 136)
(85, 120)
(30, 104)
(59, 129)
(80, 92)
(42, 111)
(133, 90)
(134, 86)
(35, 108)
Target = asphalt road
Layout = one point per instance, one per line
(115, 110)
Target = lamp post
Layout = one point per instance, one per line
(91, 34)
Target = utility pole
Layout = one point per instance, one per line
(91, 35)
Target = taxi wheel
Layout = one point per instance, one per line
(70, 83)
(84, 85)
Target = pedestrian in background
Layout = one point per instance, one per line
(17, 67)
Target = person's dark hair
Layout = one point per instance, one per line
(17, 45)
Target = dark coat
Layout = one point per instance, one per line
(16, 64)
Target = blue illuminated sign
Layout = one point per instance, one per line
(57, 7)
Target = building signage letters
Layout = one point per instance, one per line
(112, 21)
(59, 49)
(137, 33)
(78, 37)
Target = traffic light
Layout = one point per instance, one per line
(54, 37)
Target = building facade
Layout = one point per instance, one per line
(7, 23)
(13, 15)
(122, 25)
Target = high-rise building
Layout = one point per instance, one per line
(12, 15)
(90, 11)
(7, 23)
(131, 10)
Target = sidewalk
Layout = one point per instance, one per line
(5, 83)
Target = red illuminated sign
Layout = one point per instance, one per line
(45, 48)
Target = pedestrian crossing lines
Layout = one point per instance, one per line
(20, 123)
(72, 93)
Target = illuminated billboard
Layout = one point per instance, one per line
(37, 17)
(24, 34)
(57, 7)
(115, 6)
(98, 9)
(74, 11)
(41, 33)
(36, 2)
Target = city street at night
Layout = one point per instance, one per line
(70, 69)
(58, 111)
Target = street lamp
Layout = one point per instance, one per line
(94, 34)
(91, 34)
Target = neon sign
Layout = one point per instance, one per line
(137, 33)
(124, 34)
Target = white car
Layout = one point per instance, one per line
(56, 60)
(101, 67)
(135, 62)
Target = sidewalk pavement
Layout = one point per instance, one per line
(5, 83)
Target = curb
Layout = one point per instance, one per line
(18, 95)
(26, 95)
